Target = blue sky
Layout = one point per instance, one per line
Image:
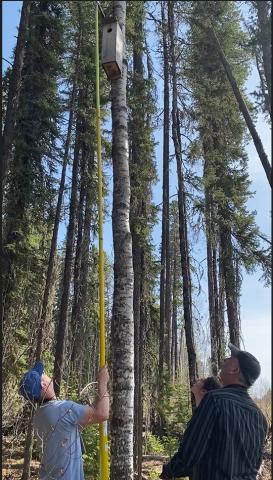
(255, 299)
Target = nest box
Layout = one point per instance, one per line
(112, 49)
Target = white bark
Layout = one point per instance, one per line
(123, 322)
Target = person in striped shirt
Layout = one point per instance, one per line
(225, 437)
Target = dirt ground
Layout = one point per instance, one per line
(13, 463)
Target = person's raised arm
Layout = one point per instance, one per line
(99, 410)
(195, 441)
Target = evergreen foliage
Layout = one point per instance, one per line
(212, 138)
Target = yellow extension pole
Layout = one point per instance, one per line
(104, 463)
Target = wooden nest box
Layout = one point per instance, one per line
(112, 49)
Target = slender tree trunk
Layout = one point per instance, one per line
(219, 324)
(184, 249)
(77, 264)
(28, 448)
(166, 192)
(84, 262)
(211, 284)
(62, 320)
(53, 246)
(266, 96)
(135, 212)
(230, 285)
(243, 108)
(123, 321)
(140, 370)
(137, 299)
(14, 88)
(221, 282)
(174, 310)
(165, 205)
(211, 294)
(264, 22)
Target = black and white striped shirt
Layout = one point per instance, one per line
(224, 439)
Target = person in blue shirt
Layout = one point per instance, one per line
(58, 423)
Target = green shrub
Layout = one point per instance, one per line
(174, 407)
(154, 445)
(170, 444)
(154, 474)
(91, 457)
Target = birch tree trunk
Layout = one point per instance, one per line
(123, 320)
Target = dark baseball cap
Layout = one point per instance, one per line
(249, 365)
(30, 385)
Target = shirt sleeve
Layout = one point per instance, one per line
(76, 412)
(195, 440)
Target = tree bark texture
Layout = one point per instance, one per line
(123, 320)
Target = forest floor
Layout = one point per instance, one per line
(152, 465)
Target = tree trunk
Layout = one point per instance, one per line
(243, 108)
(28, 448)
(14, 89)
(264, 22)
(174, 309)
(221, 282)
(211, 284)
(135, 212)
(219, 323)
(265, 94)
(53, 246)
(62, 320)
(166, 189)
(184, 249)
(230, 285)
(79, 312)
(137, 299)
(123, 321)
(212, 315)
(75, 326)
(140, 370)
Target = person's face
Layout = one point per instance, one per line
(47, 387)
(230, 371)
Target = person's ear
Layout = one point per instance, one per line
(44, 383)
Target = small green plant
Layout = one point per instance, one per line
(170, 445)
(91, 459)
(154, 474)
(154, 445)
